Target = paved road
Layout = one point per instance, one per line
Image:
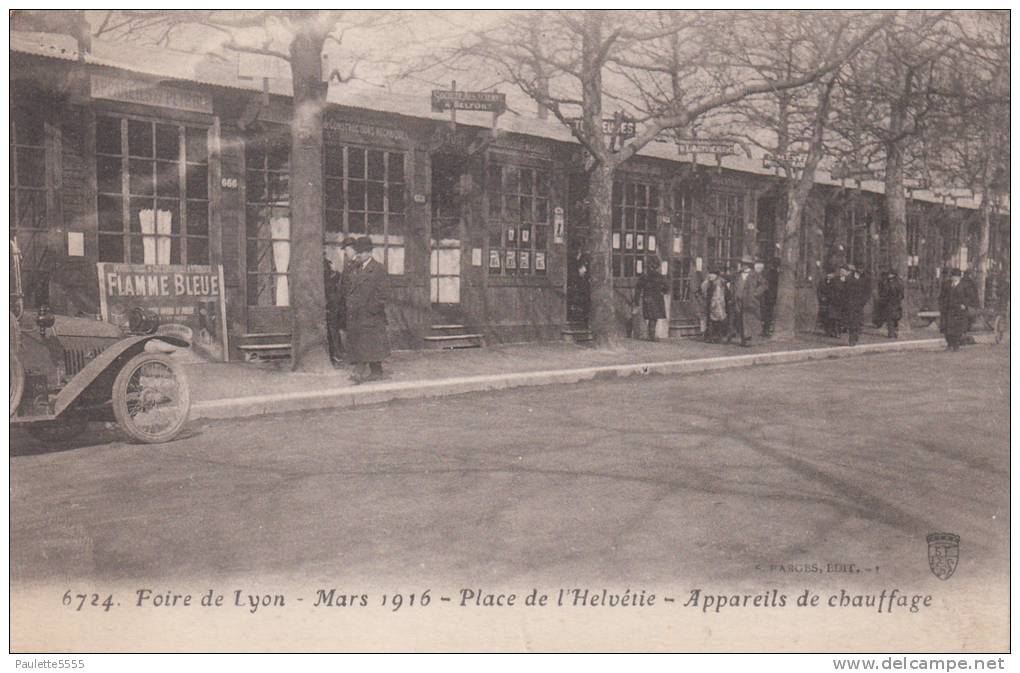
(751, 477)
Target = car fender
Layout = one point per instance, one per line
(106, 363)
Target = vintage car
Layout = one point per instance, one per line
(67, 371)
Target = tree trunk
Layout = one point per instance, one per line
(785, 311)
(604, 326)
(307, 292)
(982, 265)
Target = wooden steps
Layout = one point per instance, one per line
(265, 346)
(578, 334)
(685, 328)
(451, 336)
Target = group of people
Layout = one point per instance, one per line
(733, 305)
(842, 296)
(356, 310)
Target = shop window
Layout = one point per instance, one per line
(684, 266)
(725, 224)
(28, 194)
(267, 220)
(635, 222)
(364, 195)
(518, 219)
(153, 192)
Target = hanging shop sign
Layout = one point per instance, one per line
(699, 146)
(784, 160)
(476, 101)
(186, 300)
(624, 128)
(127, 90)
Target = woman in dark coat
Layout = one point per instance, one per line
(366, 290)
(955, 302)
(651, 289)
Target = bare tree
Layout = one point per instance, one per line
(669, 69)
(298, 37)
(790, 125)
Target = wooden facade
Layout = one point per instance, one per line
(474, 230)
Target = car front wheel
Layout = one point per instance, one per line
(151, 400)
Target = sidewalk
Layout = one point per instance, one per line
(238, 390)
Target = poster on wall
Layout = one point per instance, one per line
(186, 300)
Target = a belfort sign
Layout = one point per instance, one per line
(129, 90)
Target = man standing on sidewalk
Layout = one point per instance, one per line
(748, 288)
(890, 301)
(955, 303)
(366, 291)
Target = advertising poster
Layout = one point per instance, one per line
(186, 300)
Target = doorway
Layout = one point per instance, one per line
(447, 225)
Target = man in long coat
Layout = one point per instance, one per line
(366, 290)
(748, 288)
(955, 302)
(858, 291)
(890, 300)
(651, 290)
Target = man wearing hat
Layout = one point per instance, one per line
(955, 303)
(858, 291)
(366, 289)
(339, 325)
(889, 308)
(748, 288)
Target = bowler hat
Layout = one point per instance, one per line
(348, 242)
(362, 244)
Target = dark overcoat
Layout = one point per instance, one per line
(747, 294)
(890, 300)
(652, 288)
(955, 304)
(366, 291)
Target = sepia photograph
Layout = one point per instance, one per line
(510, 331)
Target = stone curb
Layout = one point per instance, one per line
(357, 396)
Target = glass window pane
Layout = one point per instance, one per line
(334, 222)
(376, 223)
(495, 181)
(541, 238)
(278, 158)
(31, 167)
(198, 250)
(279, 187)
(376, 168)
(356, 195)
(356, 162)
(255, 155)
(168, 142)
(198, 181)
(334, 160)
(396, 197)
(31, 210)
(196, 145)
(512, 208)
(395, 169)
(168, 178)
(542, 183)
(139, 138)
(111, 214)
(107, 135)
(527, 180)
(617, 192)
(256, 221)
(527, 211)
(111, 248)
(198, 218)
(175, 251)
(136, 252)
(168, 214)
(141, 179)
(138, 223)
(511, 180)
(108, 174)
(334, 194)
(30, 128)
(255, 187)
(356, 223)
(375, 196)
(395, 225)
(541, 210)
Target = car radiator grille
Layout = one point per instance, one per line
(79, 351)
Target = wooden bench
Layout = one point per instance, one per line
(928, 317)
